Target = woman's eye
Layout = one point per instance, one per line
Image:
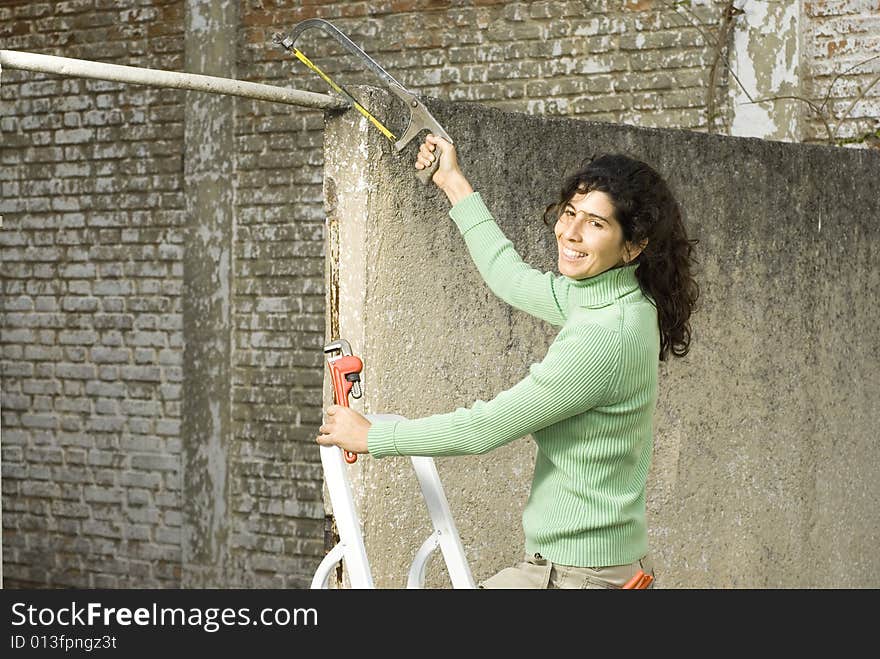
(570, 214)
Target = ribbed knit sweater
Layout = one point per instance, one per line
(589, 404)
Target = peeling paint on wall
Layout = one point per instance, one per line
(765, 59)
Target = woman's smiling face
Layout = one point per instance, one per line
(589, 238)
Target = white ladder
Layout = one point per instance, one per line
(350, 547)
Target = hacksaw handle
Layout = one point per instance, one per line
(425, 175)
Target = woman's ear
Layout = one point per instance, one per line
(631, 251)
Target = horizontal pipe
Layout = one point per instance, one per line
(139, 76)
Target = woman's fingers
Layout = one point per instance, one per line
(426, 155)
(436, 140)
(325, 434)
(345, 428)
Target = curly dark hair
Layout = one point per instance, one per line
(645, 209)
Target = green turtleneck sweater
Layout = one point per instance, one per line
(589, 404)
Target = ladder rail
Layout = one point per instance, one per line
(445, 532)
(345, 370)
(444, 525)
(351, 538)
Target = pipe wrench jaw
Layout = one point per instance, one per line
(345, 368)
(339, 345)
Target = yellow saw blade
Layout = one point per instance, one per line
(360, 108)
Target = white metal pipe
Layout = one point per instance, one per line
(139, 76)
(347, 520)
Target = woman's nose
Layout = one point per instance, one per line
(571, 232)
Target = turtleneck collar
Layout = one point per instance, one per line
(604, 288)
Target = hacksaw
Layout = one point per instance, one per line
(420, 118)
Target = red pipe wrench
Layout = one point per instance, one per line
(345, 370)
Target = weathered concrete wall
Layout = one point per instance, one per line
(207, 298)
(766, 463)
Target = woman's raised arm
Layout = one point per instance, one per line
(540, 294)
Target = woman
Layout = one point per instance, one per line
(623, 298)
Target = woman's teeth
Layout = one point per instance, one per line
(571, 254)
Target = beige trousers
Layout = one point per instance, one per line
(537, 572)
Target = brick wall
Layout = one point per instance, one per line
(94, 229)
(279, 330)
(639, 62)
(91, 325)
(842, 40)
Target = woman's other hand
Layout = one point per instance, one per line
(345, 428)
